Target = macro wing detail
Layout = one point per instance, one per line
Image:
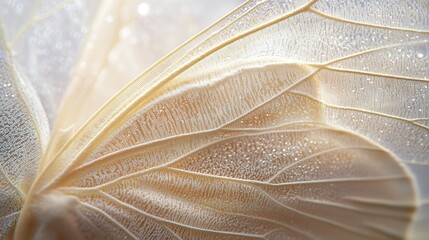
(277, 121)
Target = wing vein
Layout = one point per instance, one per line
(360, 110)
(110, 218)
(321, 153)
(325, 15)
(161, 219)
(17, 189)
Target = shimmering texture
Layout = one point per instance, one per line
(23, 138)
(283, 120)
(37, 30)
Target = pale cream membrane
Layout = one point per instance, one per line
(304, 119)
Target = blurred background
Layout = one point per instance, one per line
(51, 41)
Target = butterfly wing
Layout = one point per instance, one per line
(284, 119)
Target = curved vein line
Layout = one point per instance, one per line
(384, 231)
(156, 221)
(243, 131)
(207, 38)
(260, 183)
(165, 165)
(111, 156)
(247, 112)
(58, 7)
(271, 231)
(226, 26)
(342, 180)
(240, 180)
(219, 177)
(352, 208)
(360, 110)
(285, 225)
(10, 215)
(215, 33)
(89, 222)
(314, 217)
(172, 169)
(294, 229)
(36, 19)
(5, 46)
(178, 159)
(270, 99)
(135, 148)
(8, 180)
(377, 145)
(361, 53)
(164, 220)
(172, 232)
(380, 202)
(356, 231)
(299, 231)
(27, 25)
(317, 126)
(419, 119)
(374, 74)
(110, 218)
(311, 216)
(323, 14)
(279, 127)
(335, 149)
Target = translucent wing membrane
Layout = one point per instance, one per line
(285, 119)
(43, 37)
(23, 137)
